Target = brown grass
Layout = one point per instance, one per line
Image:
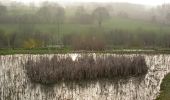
(57, 69)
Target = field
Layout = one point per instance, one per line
(131, 25)
(69, 50)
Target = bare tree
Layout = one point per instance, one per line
(82, 17)
(54, 14)
(100, 14)
(168, 16)
(3, 10)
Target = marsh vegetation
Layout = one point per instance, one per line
(57, 69)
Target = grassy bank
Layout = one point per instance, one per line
(69, 50)
(34, 51)
(165, 89)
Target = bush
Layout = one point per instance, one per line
(88, 42)
(57, 69)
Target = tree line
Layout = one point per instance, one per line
(27, 36)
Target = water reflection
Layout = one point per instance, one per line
(14, 84)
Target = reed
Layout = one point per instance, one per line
(57, 69)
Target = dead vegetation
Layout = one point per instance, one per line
(57, 69)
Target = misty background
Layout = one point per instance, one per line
(84, 25)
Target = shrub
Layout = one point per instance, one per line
(88, 42)
(32, 43)
(57, 69)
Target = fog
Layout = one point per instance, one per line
(143, 2)
(84, 25)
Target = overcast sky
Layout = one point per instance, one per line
(145, 2)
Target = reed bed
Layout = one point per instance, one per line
(57, 69)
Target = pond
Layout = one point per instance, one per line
(15, 84)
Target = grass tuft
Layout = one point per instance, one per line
(165, 89)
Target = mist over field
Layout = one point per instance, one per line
(84, 25)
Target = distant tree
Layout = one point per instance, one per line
(166, 40)
(164, 10)
(100, 14)
(82, 17)
(32, 43)
(80, 11)
(147, 39)
(26, 29)
(123, 14)
(3, 10)
(60, 20)
(44, 37)
(54, 14)
(27, 19)
(153, 19)
(88, 42)
(11, 39)
(168, 16)
(51, 13)
(3, 40)
(67, 39)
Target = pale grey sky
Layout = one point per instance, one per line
(145, 2)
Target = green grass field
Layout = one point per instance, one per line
(65, 50)
(133, 26)
(165, 89)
